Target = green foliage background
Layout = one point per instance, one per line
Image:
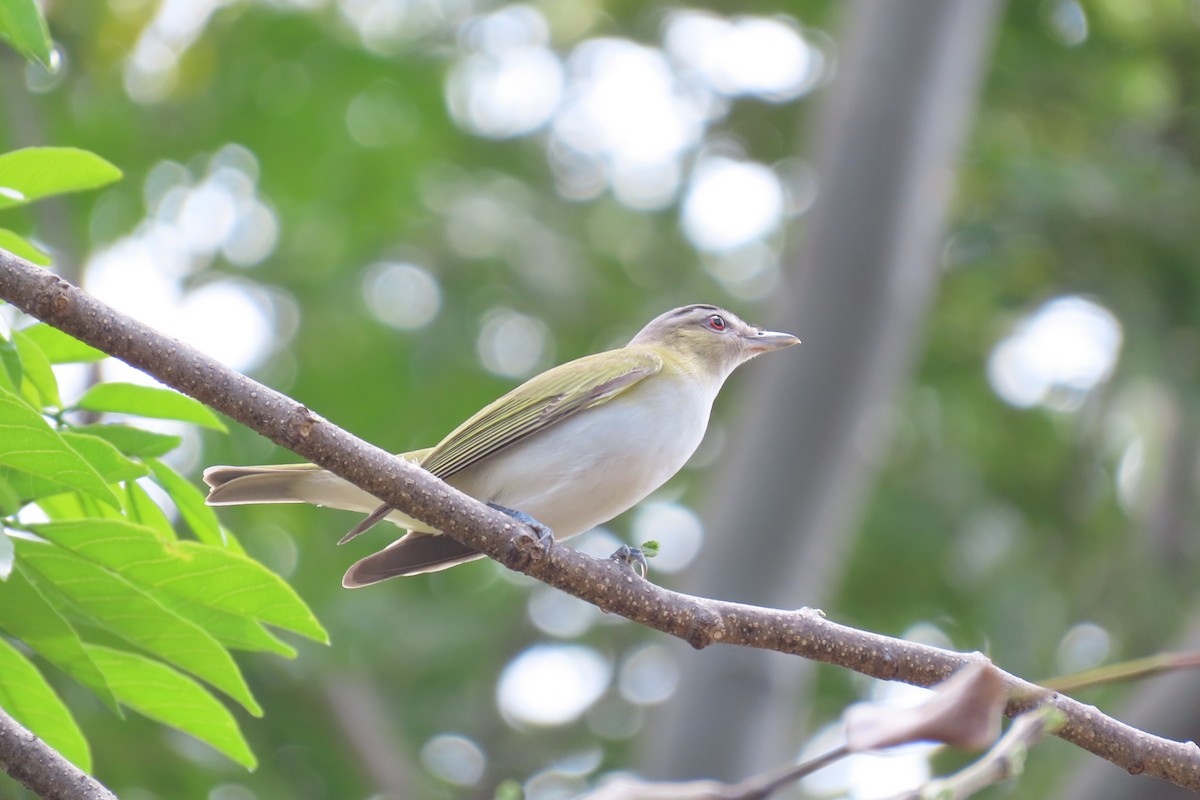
(1080, 176)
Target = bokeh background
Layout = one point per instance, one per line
(982, 220)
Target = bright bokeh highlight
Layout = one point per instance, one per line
(552, 684)
(560, 614)
(455, 759)
(763, 57)
(400, 295)
(677, 530)
(1057, 355)
(1086, 645)
(512, 344)
(648, 675)
(192, 221)
(510, 82)
(626, 123)
(628, 117)
(619, 116)
(731, 203)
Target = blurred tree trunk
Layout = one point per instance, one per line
(798, 470)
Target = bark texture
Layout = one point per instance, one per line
(41, 768)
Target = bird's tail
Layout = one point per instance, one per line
(290, 483)
(418, 552)
(272, 483)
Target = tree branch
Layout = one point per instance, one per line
(610, 585)
(41, 768)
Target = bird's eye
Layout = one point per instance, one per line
(717, 322)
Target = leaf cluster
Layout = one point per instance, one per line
(96, 582)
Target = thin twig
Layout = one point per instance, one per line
(762, 788)
(1006, 759)
(1134, 669)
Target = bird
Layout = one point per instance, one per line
(569, 449)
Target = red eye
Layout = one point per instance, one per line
(716, 322)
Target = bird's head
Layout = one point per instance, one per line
(709, 340)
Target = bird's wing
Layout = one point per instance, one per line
(413, 554)
(536, 405)
(543, 401)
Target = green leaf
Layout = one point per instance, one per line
(22, 24)
(239, 585)
(89, 508)
(28, 444)
(73, 505)
(26, 615)
(190, 501)
(650, 548)
(113, 603)
(232, 631)
(10, 366)
(10, 503)
(25, 695)
(37, 369)
(19, 246)
(106, 459)
(66, 504)
(133, 441)
(26, 486)
(198, 573)
(148, 401)
(142, 510)
(164, 695)
(36, 172)
(59, 347)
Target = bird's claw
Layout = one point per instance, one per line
(634, 557)
(541, 530)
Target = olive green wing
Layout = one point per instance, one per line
(539, 403)
(533, 406)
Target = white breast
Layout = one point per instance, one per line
(595, 465)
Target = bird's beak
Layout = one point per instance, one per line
(765, 341)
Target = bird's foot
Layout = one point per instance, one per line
(634, 557)
(543, 532)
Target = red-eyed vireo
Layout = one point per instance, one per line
(572, 447)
